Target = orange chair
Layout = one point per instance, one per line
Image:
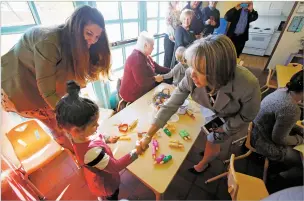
(269, 82)
(34, 148)
(251, 149)
(242, 186)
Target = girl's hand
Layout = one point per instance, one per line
(143, 145)
(113, 139)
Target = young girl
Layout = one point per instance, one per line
(79, 117)
(178, 72)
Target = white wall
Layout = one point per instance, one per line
(289, 43)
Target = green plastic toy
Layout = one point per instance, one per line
(184, 134)
(166, 159)
(166, 130)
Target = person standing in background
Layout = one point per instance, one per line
(172, 22)
(196, 25)
(239, 17)
(183, 35)
(211, 18)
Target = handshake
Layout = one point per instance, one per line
(142, 145)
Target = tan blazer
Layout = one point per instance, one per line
(33, 72)
(238, 102)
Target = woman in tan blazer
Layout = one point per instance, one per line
(217, 83)
(35, 71)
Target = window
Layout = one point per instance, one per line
(163, 8)
(8, 41)
(162, 26)
(161, 45)
(108, 9)
(161, 59)
(15, 14)
(129, 10)
(130, 30)
(117, 58)
(152, 26)
(154, 52)
(113, 31)
(129, 49)
(52, 13)
(152, 9)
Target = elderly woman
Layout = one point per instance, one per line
(172, 21)
(272, 134)
(239, 18)
(217, 83)
(183, 36)
(35, 71)
(140, 70)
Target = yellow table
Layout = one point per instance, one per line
(157, 177)
(284, 73)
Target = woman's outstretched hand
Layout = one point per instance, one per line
(143, 145)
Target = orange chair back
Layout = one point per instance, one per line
(27, 139)
(233, 185)
(247, 143)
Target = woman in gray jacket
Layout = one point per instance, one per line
(217, 83)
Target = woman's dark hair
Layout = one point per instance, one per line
(296, 82)
(73, 110)
(87, 65)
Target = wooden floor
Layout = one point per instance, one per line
(254, 61)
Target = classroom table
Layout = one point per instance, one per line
(155, 176)
(284, 73)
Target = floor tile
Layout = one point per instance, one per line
(193, 155)
(197, 193)
(222, 190)
(184, 173)
(125, 191)
(128, 179)
(178, 189)
(200, 182)
(144, 193)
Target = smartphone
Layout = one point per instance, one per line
(213, 124)
(244, 5)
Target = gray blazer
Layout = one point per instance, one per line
(238, 102)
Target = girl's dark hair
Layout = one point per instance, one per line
(88, 65)
(73, 110)
(296, 82)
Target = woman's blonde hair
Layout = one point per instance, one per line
(215, 57)
(186, 12)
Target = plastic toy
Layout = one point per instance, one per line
(161, 97)
(124, 138)
(155, 144)
(166, 159)
(175, 144)
(190, 114)
(171, 127)
(153, 152)
(184, 134)
(123, 128)
(133, 125)
(159, 159)
(166, 130)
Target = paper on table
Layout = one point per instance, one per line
(300, 148)
(207, 113)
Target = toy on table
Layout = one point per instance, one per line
(166, 130)
(124, 128)
(124, 138)
(162, 159)
(170, 127)
(133, 125)
(161, 97)
(175, 144)
(184, 134)
(155, 144)
(190, 114)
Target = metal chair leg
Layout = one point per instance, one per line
(266, 165)
(239, 157)
(34, 188)
(240, 139)
(216, 177)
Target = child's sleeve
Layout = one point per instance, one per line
(98, 158)
(172, 72)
